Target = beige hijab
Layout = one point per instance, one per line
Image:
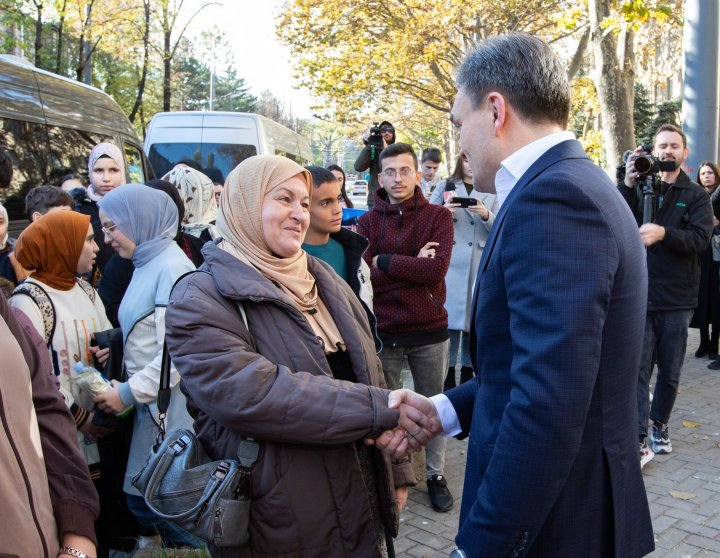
(239, 223)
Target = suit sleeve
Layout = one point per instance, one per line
(553, 262)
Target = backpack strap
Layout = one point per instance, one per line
(88, 288)
(41, 298)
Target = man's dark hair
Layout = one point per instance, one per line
(43, 198)
(320, 175)
(525, 70)
(6, 169)
(399, 149)
(431, 154)
(671, 128)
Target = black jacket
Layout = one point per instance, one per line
(673, 266)
(369, 158)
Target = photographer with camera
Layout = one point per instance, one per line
(378, 138)
(676, 219)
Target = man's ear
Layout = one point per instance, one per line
(35, 216)
(498, 106)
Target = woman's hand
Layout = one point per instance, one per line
(401, 496)
(110, 401)
(101, 355)
(480, 210)
(92, 430)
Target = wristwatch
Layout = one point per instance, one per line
(70, 551)
(457, 553)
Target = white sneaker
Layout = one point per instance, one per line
(646, 454)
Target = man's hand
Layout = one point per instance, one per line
(110, 401)
(630, 173)
(428, 251)
(651, 233)
(92, 430)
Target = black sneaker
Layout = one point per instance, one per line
(440, 496)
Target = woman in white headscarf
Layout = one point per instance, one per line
(106, 171)
(140, 223)
(198, 194)
(299, 374)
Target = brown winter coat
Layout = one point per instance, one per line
(44, 481)
(274, 384)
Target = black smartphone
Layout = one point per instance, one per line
(464, 202)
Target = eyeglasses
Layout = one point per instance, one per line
(385, 130)
(390, 174)
(108, 230)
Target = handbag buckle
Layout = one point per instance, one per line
(179, 445)
(221, 470)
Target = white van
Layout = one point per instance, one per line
(218, 141)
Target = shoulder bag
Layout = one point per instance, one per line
(180, 484)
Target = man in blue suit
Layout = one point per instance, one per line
(559, 306)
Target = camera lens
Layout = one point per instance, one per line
(643, 164)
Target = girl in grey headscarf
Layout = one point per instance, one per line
(140, 223)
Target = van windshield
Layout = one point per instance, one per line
(216, 159)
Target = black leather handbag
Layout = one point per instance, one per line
(182, 485)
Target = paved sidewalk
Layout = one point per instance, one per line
(683, 487)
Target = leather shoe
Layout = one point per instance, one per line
(440, 497)
(714, 365)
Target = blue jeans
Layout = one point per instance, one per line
(172, 535)
(428, 365)
(461, 338)
(665, 342)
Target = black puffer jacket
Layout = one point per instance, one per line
(673, 266)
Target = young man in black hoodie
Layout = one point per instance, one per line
(680, 230)
(369, 158)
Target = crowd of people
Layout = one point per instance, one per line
(515, 290)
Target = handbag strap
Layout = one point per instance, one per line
(163, 396)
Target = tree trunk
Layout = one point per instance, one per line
(61, 29)
(38, 34)
(576, 62)
(146, 63)
(614, 86)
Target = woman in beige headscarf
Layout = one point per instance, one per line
(273, 345)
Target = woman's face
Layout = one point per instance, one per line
(286, 216)
(90, 249)
(708, 180)
(3, 226)
(115, 237)
(339, 177)
(467, 170)
(106, 175)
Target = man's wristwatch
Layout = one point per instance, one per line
(457, 553)
(70, 551)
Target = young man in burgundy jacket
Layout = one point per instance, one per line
(409, 254)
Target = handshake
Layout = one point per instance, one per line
(419, 423)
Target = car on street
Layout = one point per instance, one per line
(360, 187)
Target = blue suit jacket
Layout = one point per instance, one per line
(559, 312)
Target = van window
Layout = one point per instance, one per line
(26, 143)
(290, 156)
(134, 162)
(69, 150)
(222, 156)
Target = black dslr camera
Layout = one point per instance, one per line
(647, 164)
(375, 138)
(649, 168)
